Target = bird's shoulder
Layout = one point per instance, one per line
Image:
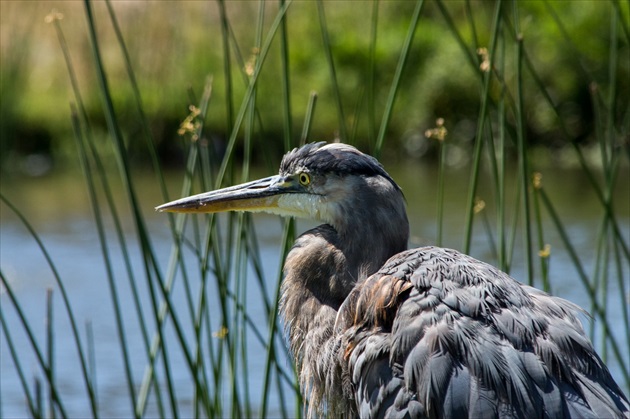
(435, 282)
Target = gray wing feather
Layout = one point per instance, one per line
(436, 333)
(457, 394)
(380, 392)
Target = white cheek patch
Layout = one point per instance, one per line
(308, 206)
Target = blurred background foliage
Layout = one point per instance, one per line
(175, 45)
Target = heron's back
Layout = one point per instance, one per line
(438, 333)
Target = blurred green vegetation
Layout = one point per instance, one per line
(175, 45)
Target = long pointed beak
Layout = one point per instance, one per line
(258, 195)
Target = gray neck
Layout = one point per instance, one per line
(326, 263)
(372, 225)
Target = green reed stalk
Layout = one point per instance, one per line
(521, 141)
(610, 131)
(485, 219)
(543, 252)
(603, 287)
(607, 142)
(440, 191)
(245, 225)
(223, 266)
(598, 268)
(203, 313)
(286, 82)
(321, 13)
(288, 145)
(227, 63)
(230, 234)
(501, 172)
(144, 122)
(50, 352)
(494, 171)
(223, 281)
(371, 99)
(393, 90)
(221, 278)
(310, 111)
(622, 22)
(98, 218)
(495, 156)
(485, 98)
(91, 349)
(356, 116)
(38, 396)
(511, 246)
(622, 274)
(238, 321)
(287, 242)
(473, 27)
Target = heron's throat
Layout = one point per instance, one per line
(327, 262)
(366, 224)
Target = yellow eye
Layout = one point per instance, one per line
(304, 179)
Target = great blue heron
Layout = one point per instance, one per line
(380, 331)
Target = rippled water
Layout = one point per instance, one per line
(58, 209)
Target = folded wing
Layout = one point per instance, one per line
(435, 333)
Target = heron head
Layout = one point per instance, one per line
(331, 183)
